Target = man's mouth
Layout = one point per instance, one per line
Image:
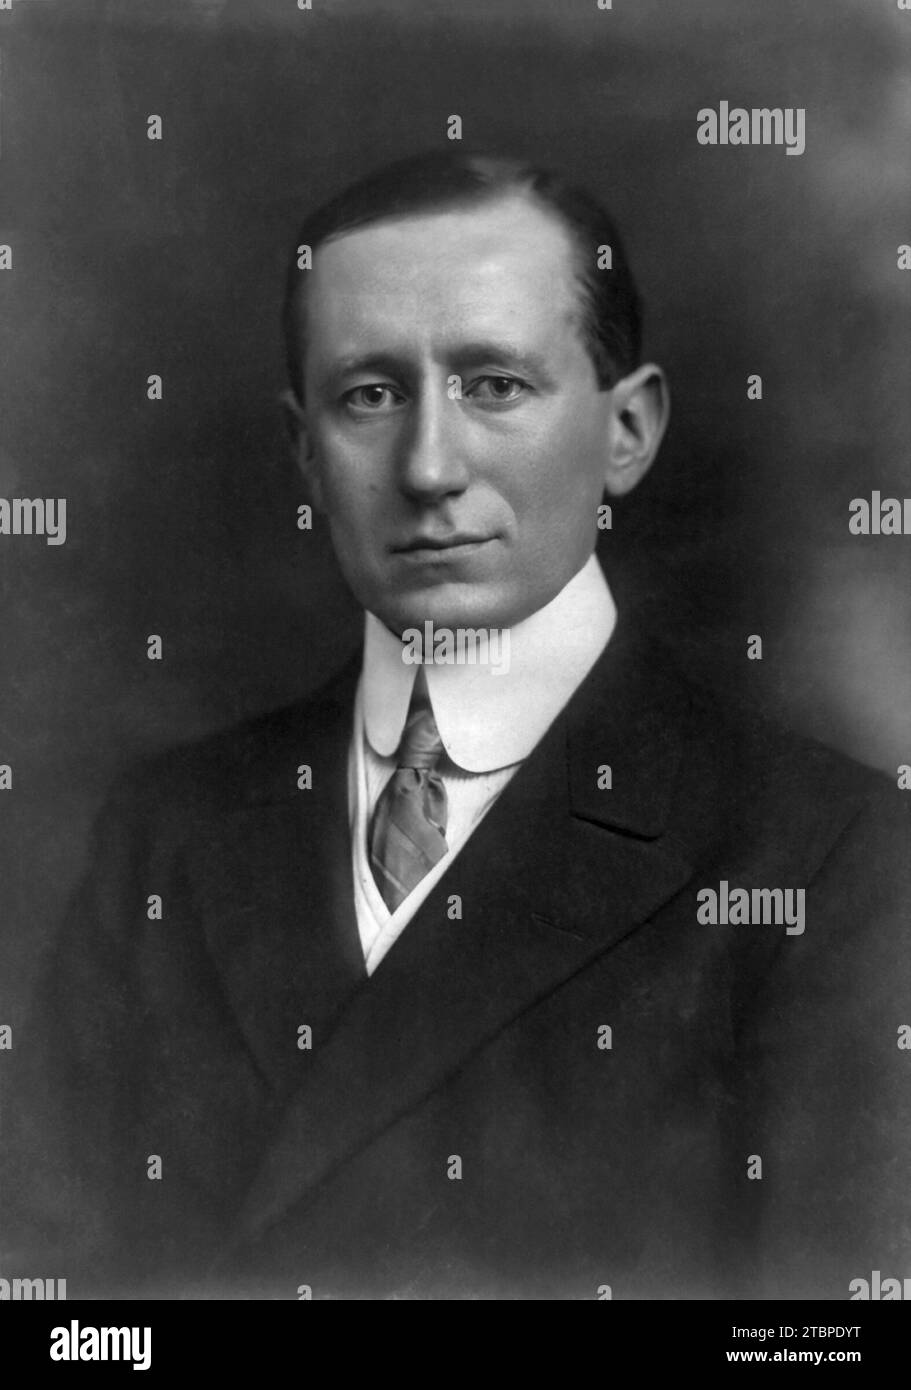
(457, 541)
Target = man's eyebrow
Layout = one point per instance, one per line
(489, 353)
(381, 363)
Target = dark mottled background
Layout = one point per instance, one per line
(133, 257)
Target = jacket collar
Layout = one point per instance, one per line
(628, 714)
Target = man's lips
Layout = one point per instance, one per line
(421, 544)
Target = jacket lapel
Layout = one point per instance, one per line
(272, 884)
(558, 872)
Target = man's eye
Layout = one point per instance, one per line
(496, 389)
(373, 398)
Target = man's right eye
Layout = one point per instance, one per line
(372, 399)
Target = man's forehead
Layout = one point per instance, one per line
(475, 264)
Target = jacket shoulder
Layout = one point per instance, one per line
(747, 734)
(253, 760)
(771, 783)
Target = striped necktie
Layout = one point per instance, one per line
(408, 831)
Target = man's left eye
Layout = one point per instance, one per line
(496, 389)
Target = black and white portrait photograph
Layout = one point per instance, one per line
(455, 660)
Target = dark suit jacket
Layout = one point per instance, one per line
(477, 1038)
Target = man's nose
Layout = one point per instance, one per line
(433, 459)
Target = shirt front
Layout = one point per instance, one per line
(489, 721)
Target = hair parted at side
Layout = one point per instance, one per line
(611, 319)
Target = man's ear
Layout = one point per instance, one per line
(298, 432)
(640, 408)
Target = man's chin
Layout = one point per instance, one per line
(448, 606)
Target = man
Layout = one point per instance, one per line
(548, 979)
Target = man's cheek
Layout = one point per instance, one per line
(346, 500)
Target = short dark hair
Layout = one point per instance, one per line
(440, 180)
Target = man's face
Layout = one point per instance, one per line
(457, 434)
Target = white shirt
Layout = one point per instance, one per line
(489, 722)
